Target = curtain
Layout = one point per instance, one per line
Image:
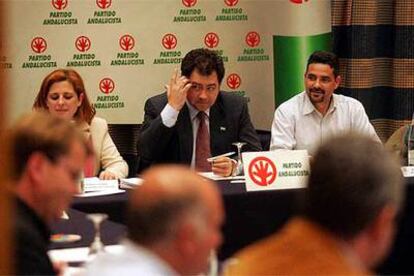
(374, 40)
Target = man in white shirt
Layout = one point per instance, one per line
(311, 117)
(174, 222)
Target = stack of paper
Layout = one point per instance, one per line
(130, 183)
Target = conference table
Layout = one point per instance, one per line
(251, 216)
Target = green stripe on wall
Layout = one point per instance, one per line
(290, 54)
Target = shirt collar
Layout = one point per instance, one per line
(193, 111)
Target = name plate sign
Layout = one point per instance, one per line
(276, 170)
(94, 184)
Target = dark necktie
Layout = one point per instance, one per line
(202, 151)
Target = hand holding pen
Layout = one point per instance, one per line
(222, 165)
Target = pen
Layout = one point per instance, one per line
(211, 159)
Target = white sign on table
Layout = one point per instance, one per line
(407, 171)
(274, 170)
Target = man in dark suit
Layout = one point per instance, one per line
(47, 155)
(173, 120)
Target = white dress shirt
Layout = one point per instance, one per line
(169, 117)
(132, 260)
(298, 125)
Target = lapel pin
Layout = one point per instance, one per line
(222, 128)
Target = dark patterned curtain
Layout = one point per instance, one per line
(374, 40)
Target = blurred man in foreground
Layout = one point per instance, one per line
(353, 196)
(174, 222)
(47, 156)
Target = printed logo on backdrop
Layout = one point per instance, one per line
(169, 42)
(60, 4)
(233, 82)
(58, 16)
(108, 98)
(38, 58)
(298, 1)
(189, 13)
(231, 12)
(211, 40)
(262, 171)
(4, 64)
(189, 3)
(83, 44)
(103, 15)
(253, 52)
(83, 58)
(127, 56)
(103, 4)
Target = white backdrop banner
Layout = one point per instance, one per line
(126, 50)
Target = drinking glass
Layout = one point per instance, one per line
(96, 246)
(239, 168)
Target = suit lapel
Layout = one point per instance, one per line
(185, 135)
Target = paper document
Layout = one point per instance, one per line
(79, 254)
(101, 193)
(213, 176)
(407, 171)
(130, 183)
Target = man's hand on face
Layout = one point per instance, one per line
(177, 90)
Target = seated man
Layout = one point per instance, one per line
(47, 155)
(174, 221)
(194, 120)
(311, 117)
(350, 205)
(398, 143)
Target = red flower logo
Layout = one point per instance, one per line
(83, 44)
(106, 85)
(262, 171)
(231, 3)
(169, 41)
(233, 81)
(189, 3)
(104, 4)
(253, 39)
(127, 42)
(211, 40)
(38, 45)
(298, 1)
(60, 4)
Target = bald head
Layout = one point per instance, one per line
(177, 215)
(169, 194)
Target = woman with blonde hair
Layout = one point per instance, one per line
(63, 94)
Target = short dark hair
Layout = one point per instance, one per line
(352, 179)
(324, 57)
(204, 61)
(43, 133)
